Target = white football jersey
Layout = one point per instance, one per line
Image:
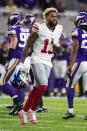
(43, 47)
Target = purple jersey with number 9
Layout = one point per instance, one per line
(22, 34)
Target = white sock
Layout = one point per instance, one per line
(71, 110)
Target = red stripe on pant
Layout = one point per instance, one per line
(34, 97)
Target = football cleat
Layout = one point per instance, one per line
(68, 115)
(22, 117)
(15, 109)
(41, 109)
(32, 116)
(10, 107)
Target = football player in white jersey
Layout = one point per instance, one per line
(44, 36)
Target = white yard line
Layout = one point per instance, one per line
(58, 97)
(33, 126)
(65, 98)
(17, 119)
(5, 130)
(50, 114)
(4, 105)
(3, 111)
(77, 123)
(76, 127)
(44, 121)
(6, 115)
(14, 119)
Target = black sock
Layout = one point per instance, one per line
(15, 101)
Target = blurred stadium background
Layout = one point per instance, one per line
(67, 9)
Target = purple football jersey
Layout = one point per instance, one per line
(81, 36)
(22, 34)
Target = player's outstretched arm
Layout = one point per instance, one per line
(74, 52)
(31, 39)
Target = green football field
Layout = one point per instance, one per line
(48, 121)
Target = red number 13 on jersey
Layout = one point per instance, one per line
(45, 50)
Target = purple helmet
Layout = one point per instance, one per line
(14, 19)
(81, 19)
(29, 19)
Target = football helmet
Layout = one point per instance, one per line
(20, 76)
(29, 18)
(81, 19)
(14, 19)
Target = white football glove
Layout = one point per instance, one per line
(27, 64)
(56, 42)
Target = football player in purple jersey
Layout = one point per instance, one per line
(20, 76)
(18, 34)
(78, 60)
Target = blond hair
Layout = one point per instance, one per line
(48, 10)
